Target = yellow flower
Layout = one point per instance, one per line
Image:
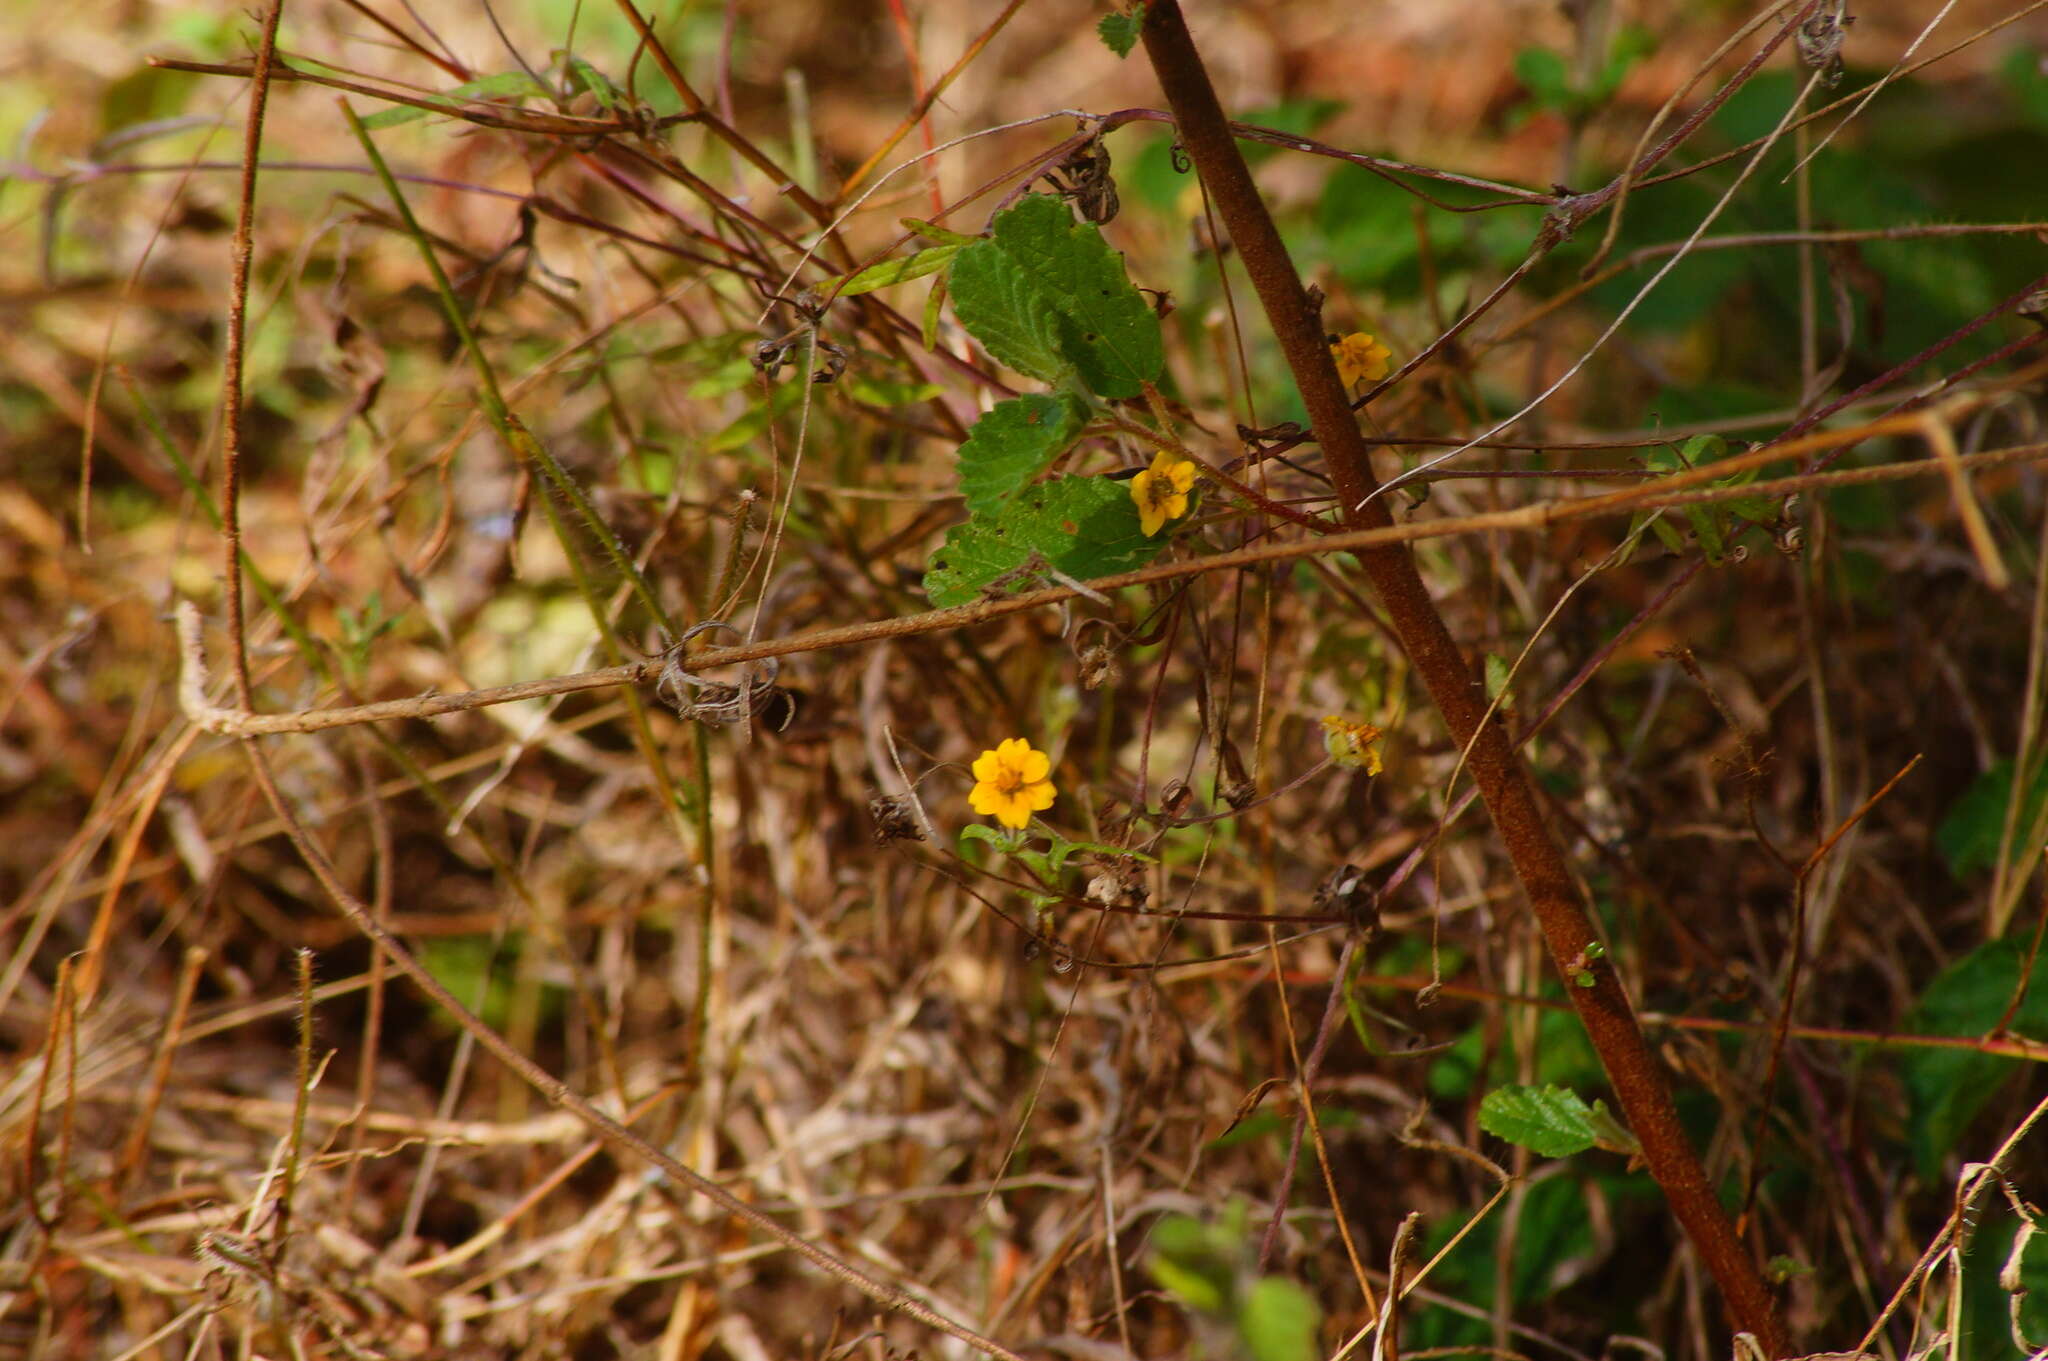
(1355, 746)
(1360, 358)
(1161, 491)
(1012, 782)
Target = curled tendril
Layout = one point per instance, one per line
(718, 702)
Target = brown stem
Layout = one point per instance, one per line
(1639, 1082)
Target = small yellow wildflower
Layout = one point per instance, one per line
(1161, 491)
(1360, 358)
(1012, 782)
(1355, 746)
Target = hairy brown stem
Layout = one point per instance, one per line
(1639, 1081)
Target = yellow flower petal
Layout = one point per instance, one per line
(1012, 781)
(1160, 492)
(1360, 358)
(1351, 744)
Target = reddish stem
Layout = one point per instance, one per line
(1638, 1080)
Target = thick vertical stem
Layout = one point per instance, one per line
(1638, 1080)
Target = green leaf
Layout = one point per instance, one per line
(583, 76)
(502, 84)
(1012, 442)
(1119, 32)
(1190, 1287)
(887, 392)
(1083, 526)
(934, 303)
(1279, 1321)
(1498, 678)
(1062, 849)
(1004, 841)
(931, 231)
(1047, 296)
(1630, 46)
(1197, 1262)
(913, 266)
(1946, 1088)
(1968, 837)
(2027, 1268)
(1554, 1121)
(1009, 312)
(1543, 73)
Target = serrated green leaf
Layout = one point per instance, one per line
(503, 83)
(1947, 1088)
(913, 266)
(1084, 526)
(1279, 1321)
(1010, 444)
(1046, 295)
(1968, 836)
(1553, 1121)
(1119, 32)
(1008, 311)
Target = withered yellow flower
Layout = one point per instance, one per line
(1360, 358)
(1355, 746)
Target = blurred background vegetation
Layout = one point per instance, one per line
(872, 1040)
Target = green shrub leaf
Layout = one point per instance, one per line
(1554, 1121)
(1968, 837)
(913, 266)
(1119, 32)
(1083, 526)
(1012, 442)
(1279, 1321)
(1046, 296)
(1946, 1088)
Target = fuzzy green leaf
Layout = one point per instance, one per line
(1083, 526)
(1119, 32)
(1046, 295)
(1946, 1089)
(1554, 1121)
(1969, 835)
(1012, 442)
(1008, 311)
